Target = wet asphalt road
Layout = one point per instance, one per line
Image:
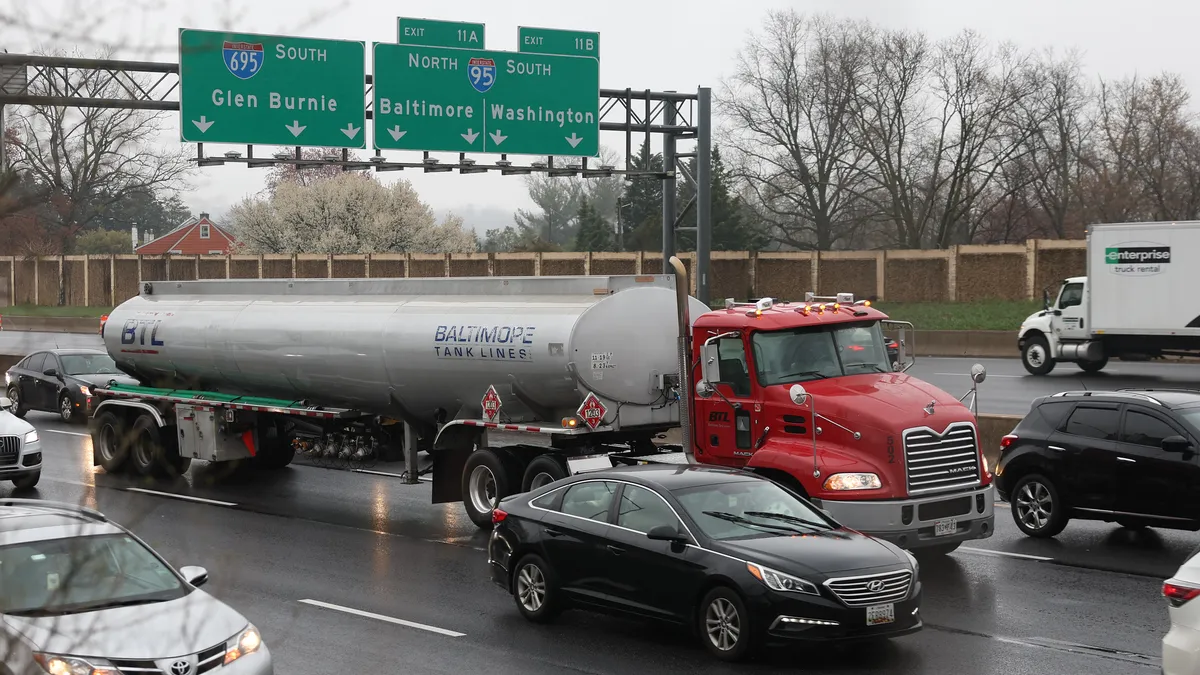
(1086, 602)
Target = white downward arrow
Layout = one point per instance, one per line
(351, 131)
(469, 136)
(295, 127)
(396, 133)
(573, 139)
(497, 137)
(203, 124)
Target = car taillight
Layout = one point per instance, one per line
(498, 516)
(1177, 594)
(1007, 441)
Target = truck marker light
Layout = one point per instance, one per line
(570, 422)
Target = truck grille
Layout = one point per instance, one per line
(943, 461)
(10, 447)
(857, 591)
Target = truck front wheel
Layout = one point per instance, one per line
(1036, 356)
(485, 481)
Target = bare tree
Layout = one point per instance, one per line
(91, 158)
(790, 104)
(940, 124)
(1057, 116)
(305, 175)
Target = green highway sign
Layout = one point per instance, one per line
(434, 33)
(555, 41)
(271, 90)
(470, 100)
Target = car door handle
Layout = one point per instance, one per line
(1055, 447)
(1126, 459)
(616, 549)
(550, 531)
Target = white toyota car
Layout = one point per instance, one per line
(1181, 646)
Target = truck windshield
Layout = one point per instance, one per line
(785, 357)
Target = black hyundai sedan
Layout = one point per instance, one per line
(734, 556)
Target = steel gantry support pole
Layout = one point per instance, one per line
(703, 191)
(668, 186)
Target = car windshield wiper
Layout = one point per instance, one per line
(734, 518)
(115, 603)
(789, 519)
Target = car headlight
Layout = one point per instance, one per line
(912, 559)
(84, 390)
(853, 481)
(31, 437)
(57, 664)
(246, 642)
(778, 581)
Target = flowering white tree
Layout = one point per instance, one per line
(348, 213)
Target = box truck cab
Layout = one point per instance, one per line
(1136, 302)
(806, 394)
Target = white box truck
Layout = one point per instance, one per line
(1137, 302)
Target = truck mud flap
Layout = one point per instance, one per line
(448, 467)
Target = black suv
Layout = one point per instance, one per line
(1127, 456)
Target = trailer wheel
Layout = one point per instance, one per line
(485, 481)
(146, 447)
(542, 470)
(110, 442)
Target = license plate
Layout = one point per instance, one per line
(942, 528)
(881, 614)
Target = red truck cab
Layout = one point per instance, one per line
(887, 454)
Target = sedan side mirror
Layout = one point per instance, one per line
(196, 576)
(1176, 444)
(667, 533)
(5, 403)
(50, 372)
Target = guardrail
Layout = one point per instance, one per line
(49, 324)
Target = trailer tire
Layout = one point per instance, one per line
(109, 438)
(146, 446)
(485, 481)
(542, 470)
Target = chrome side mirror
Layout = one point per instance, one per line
(704, 389)
(978, 373)
(798, 394)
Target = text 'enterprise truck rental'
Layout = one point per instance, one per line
(588, 370)
(1137, 301)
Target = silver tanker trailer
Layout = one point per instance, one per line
(257, 370)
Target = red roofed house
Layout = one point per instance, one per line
(196, 236)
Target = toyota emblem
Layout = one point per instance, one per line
(875, 585)
(181, 667)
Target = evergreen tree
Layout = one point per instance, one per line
(641, 205)
(594, 234)
(731, 230)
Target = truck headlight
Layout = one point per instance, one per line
(31, 437)
(778, 581)
(246, 642)
(853, 481)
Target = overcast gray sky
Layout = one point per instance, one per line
(656, 44)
